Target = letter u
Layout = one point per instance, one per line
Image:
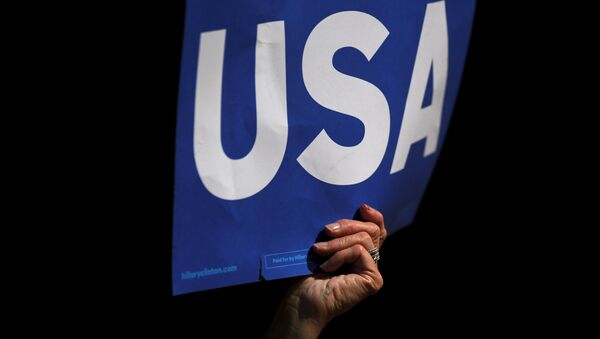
(234, 179)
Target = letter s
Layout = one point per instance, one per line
(324, 158)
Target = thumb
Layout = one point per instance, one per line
(371, 214)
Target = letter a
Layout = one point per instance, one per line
(417, 122)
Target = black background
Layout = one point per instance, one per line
(481, 256)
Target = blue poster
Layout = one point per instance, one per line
(293, 113)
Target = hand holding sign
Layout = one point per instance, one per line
(315, 300)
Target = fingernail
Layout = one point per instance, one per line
(325, 265)
(367, 207)
(319, 245)
(333, 227)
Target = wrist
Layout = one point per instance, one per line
(291, 322)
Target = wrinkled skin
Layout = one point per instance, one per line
(315, 300)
